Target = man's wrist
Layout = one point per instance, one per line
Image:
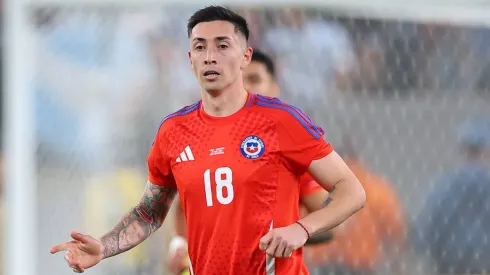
(306, 223)
(102, 247)
(307, 232)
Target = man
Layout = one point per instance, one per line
(235, 159)
(457, 208)
(259, 77)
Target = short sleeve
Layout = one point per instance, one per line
(308, 186)
(301, 140)
(159, 170)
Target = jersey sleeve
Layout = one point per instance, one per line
(307, 185)
(301, 140)
(159, 170)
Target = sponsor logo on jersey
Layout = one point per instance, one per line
(217, 151)
(252, 147)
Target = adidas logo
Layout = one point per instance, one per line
(186, 155)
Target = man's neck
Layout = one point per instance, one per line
(224, 103)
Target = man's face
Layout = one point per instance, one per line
(217, 54)
(257, 79)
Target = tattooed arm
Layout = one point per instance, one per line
(85, 251)
(141, 221)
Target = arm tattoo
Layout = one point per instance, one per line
(141, 221)
(330, 198)
(327, 202)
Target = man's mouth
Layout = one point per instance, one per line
(211, 75)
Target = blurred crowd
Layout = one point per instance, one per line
(405, 102)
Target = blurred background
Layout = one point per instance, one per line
(403, 94)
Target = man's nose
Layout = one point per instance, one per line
(210, 56)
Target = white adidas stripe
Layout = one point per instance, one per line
(183, 157)
(186, 155)
(189, 153)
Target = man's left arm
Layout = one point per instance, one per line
(304, 149)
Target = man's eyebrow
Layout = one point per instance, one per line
(218, 38)
(221, 38)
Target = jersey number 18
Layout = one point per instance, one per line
(223, 178)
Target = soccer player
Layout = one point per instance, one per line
(258, 77)
(235, 159)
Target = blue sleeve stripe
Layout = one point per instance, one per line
(277, 101)
(250, 100)
(308, 127)
(301, 113)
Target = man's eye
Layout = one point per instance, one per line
(223, 46)
(199, 47)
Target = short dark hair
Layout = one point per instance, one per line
(218, 13)
(261, 57)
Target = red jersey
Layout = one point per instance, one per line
(237, 178)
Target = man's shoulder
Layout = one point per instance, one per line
(179, 116)
(287, 115)
(276, 108)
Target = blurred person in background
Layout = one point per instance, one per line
(259, 77)
(313, 55)
(453, 227)
(368, 240)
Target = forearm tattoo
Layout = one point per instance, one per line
(141, 221)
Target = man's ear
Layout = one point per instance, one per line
(247, 57)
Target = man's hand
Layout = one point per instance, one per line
(137, 225)
(177, 262)
(281, 242)
(82, 252)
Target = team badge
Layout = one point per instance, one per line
(252, 147)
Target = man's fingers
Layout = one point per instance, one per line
(80, 237)
(265, 241)
(280, 249)
(70, 259)
(271, 250)
(79, 268)
(59, 247)
(73, 261)
(288, 251)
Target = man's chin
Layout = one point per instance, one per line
(212, 87)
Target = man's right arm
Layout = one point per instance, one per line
(144, 219)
